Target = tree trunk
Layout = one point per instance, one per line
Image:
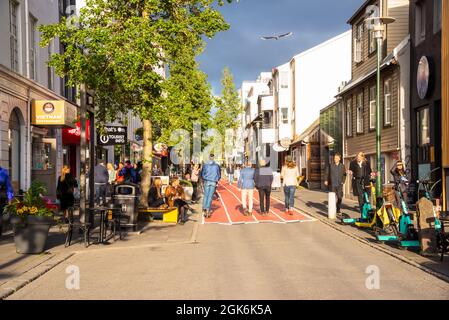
(147, 159)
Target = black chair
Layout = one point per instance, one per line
(73, 225)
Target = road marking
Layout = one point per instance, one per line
(226, 209)
(254, 218)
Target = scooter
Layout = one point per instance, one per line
(399, 221)
(368, 215)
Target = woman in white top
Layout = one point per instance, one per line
(289, 177)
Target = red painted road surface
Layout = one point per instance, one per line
(227, 209)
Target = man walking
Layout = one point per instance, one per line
(230, 173)
(263, 178)
(210, 174)
(335, 179)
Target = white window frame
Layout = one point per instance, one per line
(358, 43)
(14, 35)
(349, 118)
(372, 43)
(283, 117)
(33, 48)
(283, 80)
(387, 102)
(372, 108)
(359, 112)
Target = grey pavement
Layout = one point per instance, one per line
(307, 260)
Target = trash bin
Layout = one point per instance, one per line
(126, 196)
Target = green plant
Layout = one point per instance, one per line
(33, 203)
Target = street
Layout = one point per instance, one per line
(303, 260)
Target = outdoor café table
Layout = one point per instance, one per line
(103, 211)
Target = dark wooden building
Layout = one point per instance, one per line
(426, 103)
(445, 100)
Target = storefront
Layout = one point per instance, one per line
(71, 138)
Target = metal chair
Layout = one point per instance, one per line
(72, 224)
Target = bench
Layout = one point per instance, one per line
(169, 215)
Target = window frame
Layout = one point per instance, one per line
(359, 113)
(420, 22)
(419, 112)
(437, 14)
(349, 118)
(372, 108)
(358, 43)
(33, 47)
(388, 112)
(14, 35)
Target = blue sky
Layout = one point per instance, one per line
(240, 48)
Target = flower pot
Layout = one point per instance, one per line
(31, 236)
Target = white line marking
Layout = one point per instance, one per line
(224, 206)
(254, 218)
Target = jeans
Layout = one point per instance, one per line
(247, 194)
(289, 193)
(264, 199)
(100, 192)
(231, 177)
(209, 190)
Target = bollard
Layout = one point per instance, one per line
(332, 207)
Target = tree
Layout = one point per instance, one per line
(228, 106)
(120, 48)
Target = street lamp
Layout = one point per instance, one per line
(378, 24)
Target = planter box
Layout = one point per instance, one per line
(31, 237)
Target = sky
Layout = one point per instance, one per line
(241, 49)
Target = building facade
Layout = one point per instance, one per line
(445, 101)
(359, 95)
(30, 152)
(426, 94)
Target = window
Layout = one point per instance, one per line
(420, 21)
(33, 26)
(423, 127)
(284, 116)
(42, 154)
(359, 113)
(371, 41)
(283, 80)
(372, 108)
(358, 43)
(13, 34)
(387, 102)
(437, 15)
(348, 117)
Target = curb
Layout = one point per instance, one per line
(430, 271)
(16, 284)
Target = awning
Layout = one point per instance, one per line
(73, 136)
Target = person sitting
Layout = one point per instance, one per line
(176, 198)
(155, 197)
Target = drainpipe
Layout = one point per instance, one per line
(29, 140)
(27, 39)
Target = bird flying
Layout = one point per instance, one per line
(277, 37)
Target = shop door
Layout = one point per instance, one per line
(14, 149)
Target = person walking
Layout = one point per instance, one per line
(263, 179)
(230, 173)
(335, 178)
(111, 180)
(65, 190)
(360, 169)
(129, 173)
(246, 185)
(195, 177)
(289, 177)
(101, 178)
(6, 193)
(118, 177)
(210, 175)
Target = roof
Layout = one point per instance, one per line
(359, 10)
(309, 131)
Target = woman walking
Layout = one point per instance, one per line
(195, 178)
(289, 177)
(65, 190)
(263, 179)
(246, 185)
(360, 169)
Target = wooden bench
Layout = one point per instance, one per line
(169, 215)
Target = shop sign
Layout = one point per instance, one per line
(53, 113)
(113, 136)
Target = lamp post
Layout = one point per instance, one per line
(378, 25)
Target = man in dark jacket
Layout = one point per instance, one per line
(335, 179)
(263, 179)
(360, 169)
